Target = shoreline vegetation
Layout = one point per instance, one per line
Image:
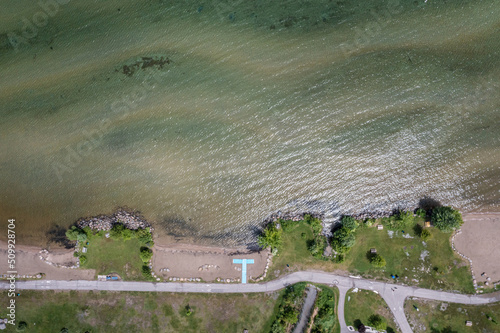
(409, 247)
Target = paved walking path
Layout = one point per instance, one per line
(306, 310)
(393, 294)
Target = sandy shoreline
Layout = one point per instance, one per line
(479, 241)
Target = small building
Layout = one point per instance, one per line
(427, 224)
(468, 323)
(373, 251)
(380, 227)
(84, 250)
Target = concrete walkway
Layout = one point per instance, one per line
(393, 294)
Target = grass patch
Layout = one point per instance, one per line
(50, 311)
(122, 257)
(433, 265)
(361, 305)
(440, 317)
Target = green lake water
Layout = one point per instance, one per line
(320, 106)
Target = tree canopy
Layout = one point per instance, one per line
(271, 236)
(446, 218)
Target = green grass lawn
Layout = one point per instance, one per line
(439, 317)
(106, 312)
(107, 256)
(441, 268)
(361, 305)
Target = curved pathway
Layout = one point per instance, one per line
(393, 294)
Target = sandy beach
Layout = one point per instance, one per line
(28, 262)
(479, 241)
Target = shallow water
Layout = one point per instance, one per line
(333, 107)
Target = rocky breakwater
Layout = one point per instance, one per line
(290, 216)
(130, 220)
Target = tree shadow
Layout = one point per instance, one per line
(357, 323)
(57, 234)
(418, 229)
(427, 203)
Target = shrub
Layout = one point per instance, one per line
(146, 254)
(315, 224)
(144, 236)
(349, 222)
(116, 231)
(378, 322)
(425, 234)
(127, 234)
(446, 219)
(340, 258)
(271, 237)
(421, 213)
(377, 261)
(81, 237)
(317, 246)
(188, 310)
(83, 259)
(22, 326)
(146, 272)
(404, 218)
(74, 233)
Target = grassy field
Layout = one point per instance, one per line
(431, 265)
(361, 305)
(107, 256)
(439, 317)
(142, 312)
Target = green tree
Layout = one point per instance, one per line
(271, 236)
(343, 240)
(349, 222)
(146, 254)
(446, 218)
(377, 261)
(116, 231)
(378, 322)
(73, 233)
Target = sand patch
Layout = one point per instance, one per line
(479, 241)
(28, 263)
(206, 263)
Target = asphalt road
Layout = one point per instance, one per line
(393, 294)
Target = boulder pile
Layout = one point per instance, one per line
(131, 220)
